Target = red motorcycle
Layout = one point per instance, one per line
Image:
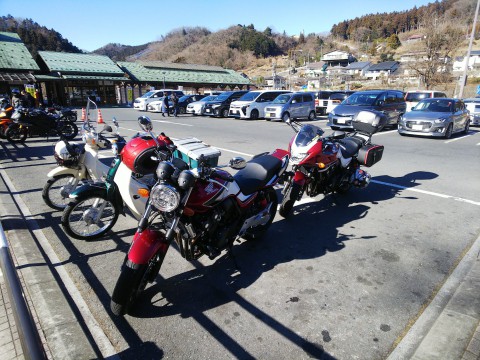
(204, 210)
(6, 112)
(323, 165)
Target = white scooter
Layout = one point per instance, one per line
(94, 207)
(78, 163)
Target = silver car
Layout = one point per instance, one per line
(436, 117)
(196, 107)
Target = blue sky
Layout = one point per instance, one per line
(90, 24)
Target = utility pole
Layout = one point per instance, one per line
(464, 75)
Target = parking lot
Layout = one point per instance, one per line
(343, 278)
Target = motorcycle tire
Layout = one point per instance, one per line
(54, 193)
(15, 134)
(132, 281)
(289, 198)
(3, 129)
(257, 232)
(78, 219)
(68, 130)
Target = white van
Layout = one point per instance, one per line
(413, 97)
(252, 104)
(141, 102)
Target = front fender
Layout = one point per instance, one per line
(62, 170)
(97, 189)
(146, 244)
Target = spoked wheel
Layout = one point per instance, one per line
(181, 110)
(311, 116)
(15, 133)
(289, 198)
(68, 130)
(285, 117)
(89, 218)
(56, 191)
(132, 281)
(225, 113)
(254, 114)
(272, 203)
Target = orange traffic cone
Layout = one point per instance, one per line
(100, 118)
(84, 117)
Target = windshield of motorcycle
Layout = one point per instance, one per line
(307, 134)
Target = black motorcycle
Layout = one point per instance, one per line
(64, 113)
(37, 122)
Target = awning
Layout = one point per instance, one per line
(16, 77)
(47, 77)
(95, 77)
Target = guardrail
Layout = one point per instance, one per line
(27, 331)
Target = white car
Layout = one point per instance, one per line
(473, 106)
(156, 106)
(252, 104)
(142, 102)
(196, 107)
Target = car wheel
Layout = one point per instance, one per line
(225, 113)
(311, 116)
(181, 110)
(285, 117)
(254, 114)
(449, 131)
(467, 127)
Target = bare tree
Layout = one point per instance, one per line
(442, 40)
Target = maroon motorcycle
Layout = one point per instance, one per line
(204, 210)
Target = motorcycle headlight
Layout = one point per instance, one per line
(296, 158)
(165, 197)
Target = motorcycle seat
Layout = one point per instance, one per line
(257, 173)
(350, 146)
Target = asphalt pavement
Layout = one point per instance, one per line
(447, 328)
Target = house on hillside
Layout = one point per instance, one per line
(473, 62)
(414, 38)
(386, 68)
(316, 69)
(338, 58)
(358, 68)
(275, 83)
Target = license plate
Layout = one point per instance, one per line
(270, 115)
(417, 127)
(207, 110)
(341, 121)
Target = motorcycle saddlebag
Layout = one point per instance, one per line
(137, 153)
(369, 155)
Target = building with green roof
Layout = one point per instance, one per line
(17, 65)
(72, 78)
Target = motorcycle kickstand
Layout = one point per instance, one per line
(232, 256)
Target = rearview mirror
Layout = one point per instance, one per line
(145, 123)
(237, 163)
(115, 122)
(107, 128)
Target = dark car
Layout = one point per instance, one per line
(221, 105)
(389, 102)
(187, 99)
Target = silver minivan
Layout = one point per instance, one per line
(299, 105)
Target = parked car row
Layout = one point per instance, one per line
(421, 112)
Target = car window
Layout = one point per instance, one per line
(416, 96)
(361, 99)
(435, 105)
(390, 98)
(400, 97)
(439, 94)
(458, 106)
(250, 96)
(324, 95)
(297, 98)
(282, 99)
(307, 98)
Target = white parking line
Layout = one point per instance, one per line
(427, 192)
(386, 132)
(461, 137)
(171, 122)
(235, 152)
